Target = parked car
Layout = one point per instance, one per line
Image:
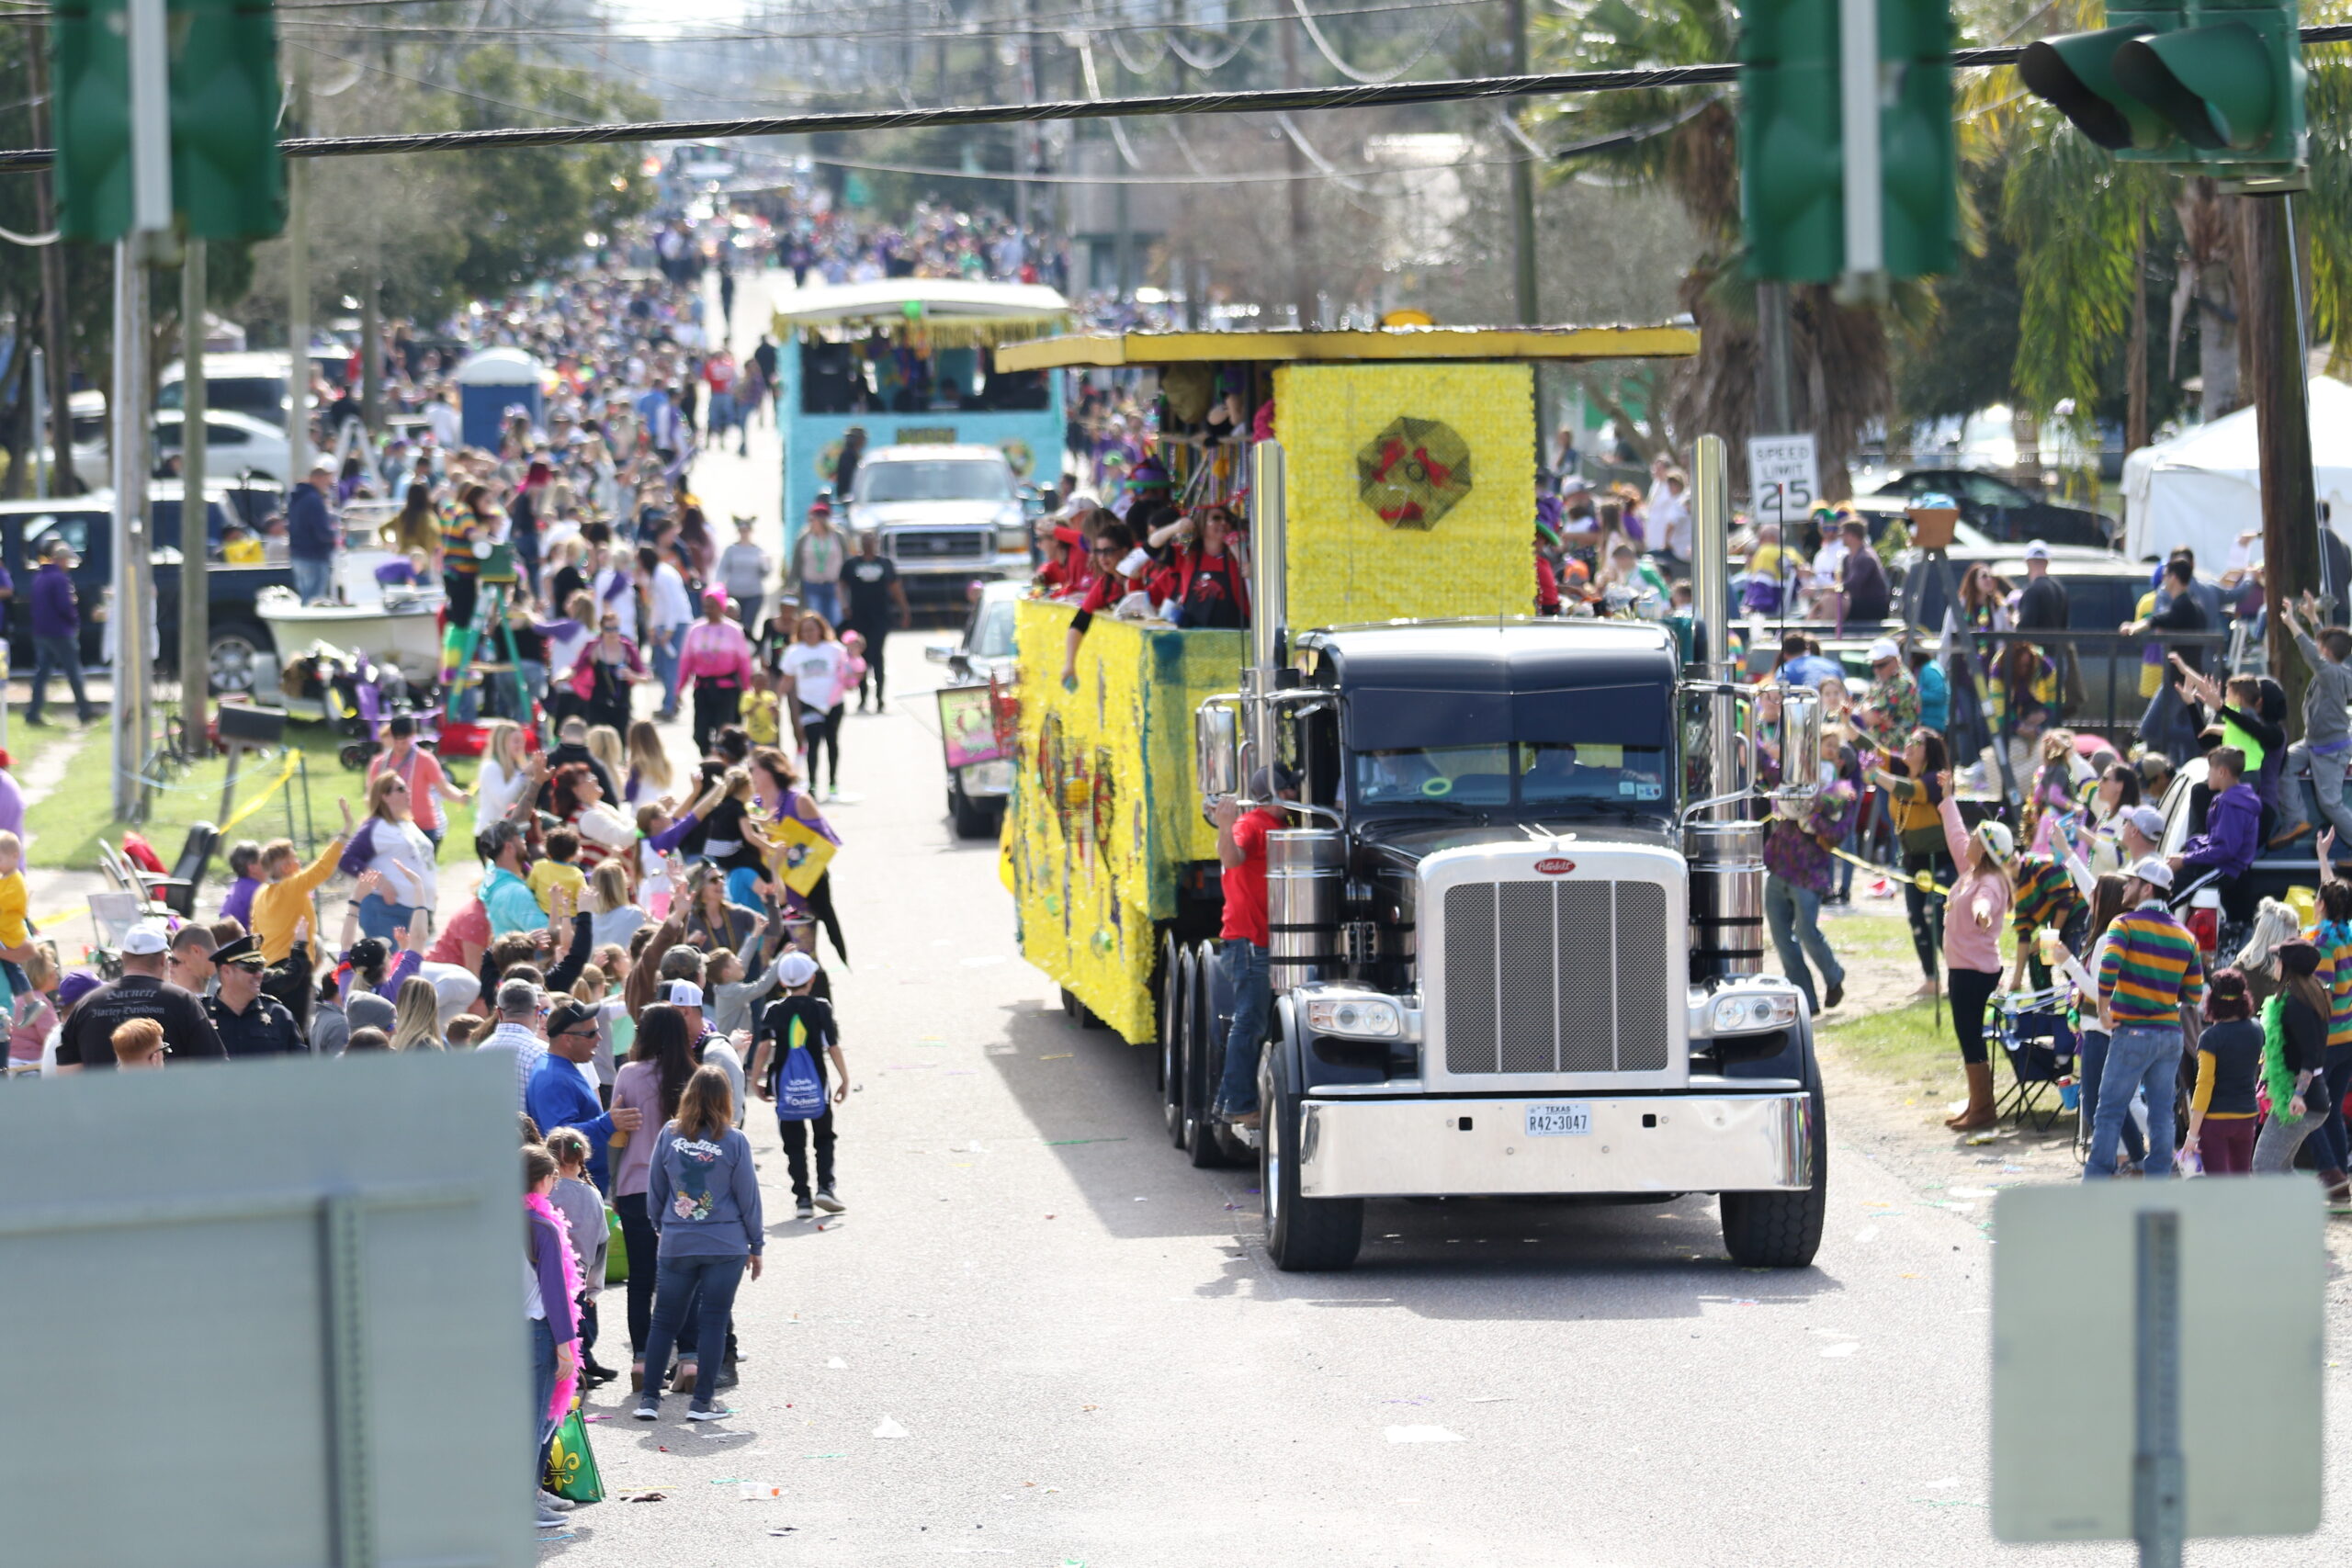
(237, 637)
(248, 383)
(977, 791)
(2274, 870)
(2001, 511)
(948, 517)
(236, 445)
(252, 454)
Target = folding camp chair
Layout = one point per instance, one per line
(111, 916)
(150, 890)
(2034, 1035)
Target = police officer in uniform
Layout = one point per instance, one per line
(250, 1024)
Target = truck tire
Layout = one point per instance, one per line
(1175, 990)
(974, 819)
(1204, 1025)
(1783, 1230)
(1074, 1009)
(233, 655)
(1303, 1234)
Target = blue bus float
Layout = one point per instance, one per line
(907, 359)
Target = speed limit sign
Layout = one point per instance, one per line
(1783, 481)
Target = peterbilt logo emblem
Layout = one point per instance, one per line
(1555, 866)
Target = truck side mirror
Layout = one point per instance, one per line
(1800, 745)
(1216, 750)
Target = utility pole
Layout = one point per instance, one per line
(1522, 191)
(371, 345)
(150, 232)
(2290, 523)
(1180, 269)
(1025, 136)
(60, 370)
(1775, 400)
(196, 512)
(1302, 276)
(298, 287)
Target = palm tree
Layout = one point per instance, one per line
(2081, 221)
(1684, 141)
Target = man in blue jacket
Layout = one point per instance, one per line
(310, 537)
(57, 632)
(561, 1095)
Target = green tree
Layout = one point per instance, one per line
(524, 211)
(1683, 144)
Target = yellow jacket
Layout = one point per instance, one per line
(279, 907)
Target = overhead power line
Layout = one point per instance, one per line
(1264, 100)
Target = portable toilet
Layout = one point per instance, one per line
(488, 384)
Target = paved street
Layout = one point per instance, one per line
(1093, 1361)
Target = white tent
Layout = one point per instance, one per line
(2203, 488)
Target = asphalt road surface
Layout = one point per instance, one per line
(1037, 1335)
(1081, 1355)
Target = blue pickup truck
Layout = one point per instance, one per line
(85, 523)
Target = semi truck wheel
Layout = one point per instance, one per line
(1783, 1230)
(974, 819)
(1303, 1234)
(1175, 995)
(1205, 1023)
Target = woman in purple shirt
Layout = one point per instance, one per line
(12, 797)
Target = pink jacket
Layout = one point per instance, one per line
(1966, 945)
(715, 650)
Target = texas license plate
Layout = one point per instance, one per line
(1568, 1120)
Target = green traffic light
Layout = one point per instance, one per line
(2217, 86)
(2075, 74)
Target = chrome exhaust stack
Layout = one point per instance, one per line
(1723, 847)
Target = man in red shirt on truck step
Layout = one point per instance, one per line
(1241, 850)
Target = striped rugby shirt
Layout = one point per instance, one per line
(2335, 943)
(2046, 895)
(2151, 970)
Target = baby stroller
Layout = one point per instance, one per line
(367, 694)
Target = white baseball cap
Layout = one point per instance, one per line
(2037, 551)
(1884, 649)
(2149, 821)
(144, 941)
(2152, 872)
(1997, 838)
(797, 969)
(684, 994)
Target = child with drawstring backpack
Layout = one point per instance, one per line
(795, 1037)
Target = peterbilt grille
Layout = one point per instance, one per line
(1555, 977)
(938, 544)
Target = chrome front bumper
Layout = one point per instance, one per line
(1427, 1147)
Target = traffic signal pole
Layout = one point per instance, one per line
(2290, 521)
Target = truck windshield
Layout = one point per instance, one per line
(1594, 751)
(1510, 774)
(964, 480)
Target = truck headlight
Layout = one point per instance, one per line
(1363, 1017)
(1748, 1012)
(1011, 532)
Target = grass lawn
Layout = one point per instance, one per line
(1911, 1046)
(69, 821)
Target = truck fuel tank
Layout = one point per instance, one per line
(1307, 879)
